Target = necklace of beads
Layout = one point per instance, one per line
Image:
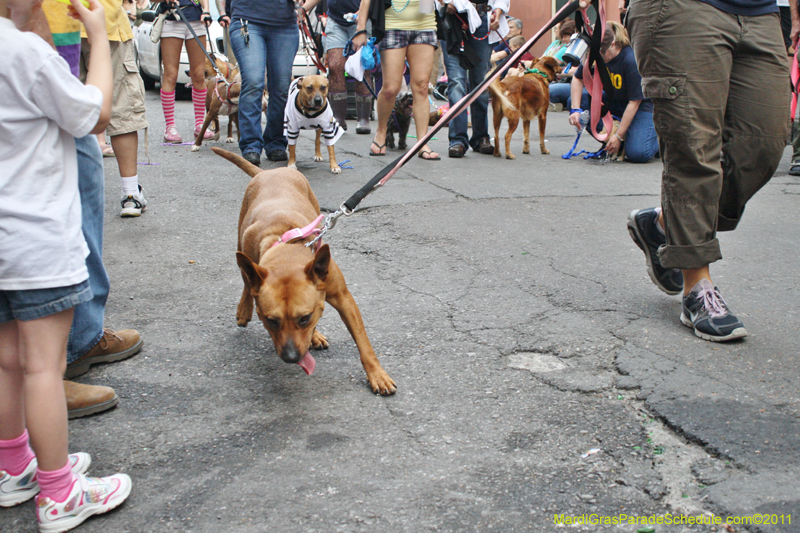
(400, 10)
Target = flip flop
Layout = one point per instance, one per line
(380, 147)
(422, 153)
(108, 151)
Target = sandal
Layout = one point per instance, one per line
(429, 157)
(380, 147)
(108, 151)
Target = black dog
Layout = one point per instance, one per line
(400, 120)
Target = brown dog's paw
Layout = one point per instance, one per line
(381, 383)
(510, 156)
(318, 158)
(318, 341)
(545, 151)
(336, 170)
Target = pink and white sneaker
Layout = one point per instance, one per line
(171, 135)
(18, 489)
(88, 496)
(207, 135)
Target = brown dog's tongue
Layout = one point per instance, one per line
(307, 363)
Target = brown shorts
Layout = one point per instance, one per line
(127, 105)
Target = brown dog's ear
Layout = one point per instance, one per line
(317, 269)
(255, 274)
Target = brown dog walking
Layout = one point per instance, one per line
(289, 283)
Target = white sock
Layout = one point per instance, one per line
(659, 227)
(130, 186)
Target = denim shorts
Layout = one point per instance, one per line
(403, 38)
(39, 303)
(337, 34)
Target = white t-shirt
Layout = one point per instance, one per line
(43, 107)
(294, 120)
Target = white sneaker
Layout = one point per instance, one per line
(17, 489)
(133, 204)
(88, 496)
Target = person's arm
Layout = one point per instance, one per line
(615, 141)
(205, 16)
(224, 18)
(99, 70)
(795, 33)
(360, 38)
(308, 5)
(576, 93)
(499, 8)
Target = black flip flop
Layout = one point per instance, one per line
(380, 147)
(421, 156)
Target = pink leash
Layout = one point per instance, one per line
(594, 84)
(795, 78)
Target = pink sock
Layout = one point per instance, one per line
(168, 105)
(56, 484)
(15, 454)
(199, 101)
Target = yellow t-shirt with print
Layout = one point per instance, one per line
(405, 15)
(118, 26)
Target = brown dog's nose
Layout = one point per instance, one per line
(290, 354)
(317, 101)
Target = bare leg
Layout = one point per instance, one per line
(420, 62)
(126, 148)
(43, 353)
(392, 62)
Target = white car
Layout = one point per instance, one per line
(149, 54)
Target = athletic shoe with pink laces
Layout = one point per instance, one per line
(88, 496)
(171, 135)
(207, 135)
(18, 489)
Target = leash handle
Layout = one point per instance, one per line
(387, 172)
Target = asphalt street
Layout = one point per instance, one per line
(540, 372)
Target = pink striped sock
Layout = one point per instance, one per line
(15, 454)
(56, 484)
(168, 105)
(199, 101)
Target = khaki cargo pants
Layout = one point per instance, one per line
(719, 85)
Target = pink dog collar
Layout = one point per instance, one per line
(302, 233)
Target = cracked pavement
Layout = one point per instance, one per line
(511, 307)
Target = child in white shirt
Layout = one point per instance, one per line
(42, 270)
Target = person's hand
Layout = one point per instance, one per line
(205, 17)
(575, 120)
(795, 33)
(451, 8)
(613, 144)
(622, 8)
(93, 18)
(494, 21)
(224, 21)
(359, 40)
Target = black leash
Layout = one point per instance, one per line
(348, 207)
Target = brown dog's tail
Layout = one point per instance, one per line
(496, 88)
(239, 161)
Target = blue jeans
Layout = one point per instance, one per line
(87, 322)
(271, 49)
(460, 82)
(560, 94)
(641, 140)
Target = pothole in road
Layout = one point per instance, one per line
(535, 362)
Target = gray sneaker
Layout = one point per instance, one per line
(794, 168)
(133, 204)
(706, 312)
(643, 230)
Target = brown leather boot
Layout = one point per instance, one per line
(363, 111)
(112, 346)
(85, 400)
(339, 108)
